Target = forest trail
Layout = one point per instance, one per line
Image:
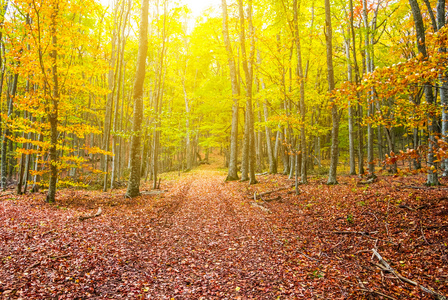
(215, 244)
(204, 238)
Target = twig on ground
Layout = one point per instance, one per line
(6, 194)
(385, 266)
(353, 232)
(60, 256)
(309, 257)
(34, 265)
(378, 293)
(46, 232)
(422, 187)
(97, 214)
(272, 199)
(405, 206)
(261, 207)
(270, 192)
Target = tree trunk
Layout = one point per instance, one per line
(370, 163)
(351, 135)
(109, 102)
(334, 110)
(444, 84)
(301, 83)
(53, 112)
(11, 94)
(432, 178)
(360, 133)
(249, 138)
(233, 171)
(133, 189)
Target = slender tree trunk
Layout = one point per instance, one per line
(277, 146)
(187, 129)
(432, 178)
(259, 148)
(158, 102)
(11, 94)
(360, 133)
(334, 110)
(120, 86)
(233, 171)
(109, 100)
(371, 165)
(389, 137)
(53, 113)
(269, 146)
(351, 134)
(37, 164)
(133, 189)
(444, 84)
(28, 158)
(301, 83)
(249, 139)
(22, 165)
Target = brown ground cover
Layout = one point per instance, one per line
(207, 238)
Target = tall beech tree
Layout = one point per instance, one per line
(429, 96)
(233, 171)
(133, 189)
(248, 159)
(334, 109)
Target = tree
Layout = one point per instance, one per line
(429, 96)
(232, 172)
(334, 110)
(133, 189)
(248, 160)
(301, 83)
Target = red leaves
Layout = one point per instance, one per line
(204, 239)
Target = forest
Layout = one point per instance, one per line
(253, 149)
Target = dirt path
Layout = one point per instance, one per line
(213, 244)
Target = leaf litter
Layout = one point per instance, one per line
(204, 238)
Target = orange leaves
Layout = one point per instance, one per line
(96, 150)
(291, 120)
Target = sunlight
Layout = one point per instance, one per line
(198, 6)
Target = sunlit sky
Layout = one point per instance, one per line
(196, 6)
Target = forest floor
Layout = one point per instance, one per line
(205, 238)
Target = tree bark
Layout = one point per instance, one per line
(334, 110)
(351, 134)
(371, 165)
(357, 79)
(232, 172)
(301, 83)
(111, 80)
(11, 94)
(53, 110)
(133, 189)
(432, 178)
(444, 84)
(249, 139)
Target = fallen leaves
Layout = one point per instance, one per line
(203, 238)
